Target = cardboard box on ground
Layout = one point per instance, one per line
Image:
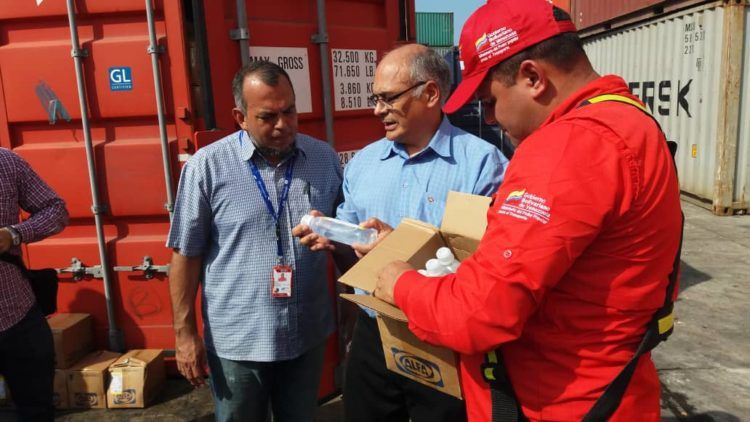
(82, 378)
(136, 379)
(464, 223)
(60, 393)
(72, 335)
(87, 380)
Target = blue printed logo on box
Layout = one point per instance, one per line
(120, 79)
(417, 367)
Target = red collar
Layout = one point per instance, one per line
(608, 84)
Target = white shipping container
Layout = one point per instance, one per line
(691, 68)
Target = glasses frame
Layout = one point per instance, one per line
(388, 101)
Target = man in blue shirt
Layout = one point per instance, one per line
(406, 174)
(267, 310)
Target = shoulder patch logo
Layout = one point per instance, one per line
(524, 205)
(515, 196)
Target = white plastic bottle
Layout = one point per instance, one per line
(447, 260)
(340, 231)
(433, 268)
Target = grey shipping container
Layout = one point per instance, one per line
(691, 68)
(435, 29)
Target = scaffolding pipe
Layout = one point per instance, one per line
(243, 33)
(153, 50)
(116, 341)
(204, 68)
(325, 70)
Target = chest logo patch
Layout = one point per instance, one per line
(524, 206)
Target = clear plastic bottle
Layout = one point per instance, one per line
(340, 231)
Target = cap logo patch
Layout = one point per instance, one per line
(481, 42)
(500, 41)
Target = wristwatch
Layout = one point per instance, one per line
(14, 235)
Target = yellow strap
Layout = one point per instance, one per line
(491, 357)
(619, 98)
(666, 323)
(489, 374)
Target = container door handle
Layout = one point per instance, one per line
(148, 268)
(79, 270)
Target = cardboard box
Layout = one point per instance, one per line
(136, 379)
(5, 400)
(87, 380)
(72, 335)
(413, 241)
(60, 392)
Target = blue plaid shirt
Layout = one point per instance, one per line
(382, 181)
(220, 215)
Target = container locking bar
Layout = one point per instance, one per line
(79, 270)
(148, 268)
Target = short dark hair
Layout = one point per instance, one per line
(266, 71)
(562, 51)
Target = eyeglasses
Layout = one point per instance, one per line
(388, 101)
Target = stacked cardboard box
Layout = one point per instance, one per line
(60, 392)
(73, 339)
(87, 380)
(413, 241)
(72, 336)
(82, 377)
(137, 377)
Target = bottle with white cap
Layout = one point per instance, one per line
(340, 231)
(434, 268)
(447, 260)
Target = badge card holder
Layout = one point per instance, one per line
(281, 281)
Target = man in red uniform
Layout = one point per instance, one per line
(581, 236)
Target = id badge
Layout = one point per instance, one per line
(281, 281)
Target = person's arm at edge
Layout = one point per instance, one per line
(184, 279)
(48, 213)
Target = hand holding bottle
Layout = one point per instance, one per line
(339, 231)
(311, 239)
(382, 230)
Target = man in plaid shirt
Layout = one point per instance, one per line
(26, 350)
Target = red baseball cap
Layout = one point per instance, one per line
(497, 31)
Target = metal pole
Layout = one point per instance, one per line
(243, 34)
(116, 340)
(153, 50)
(321, 38)
(204, 68)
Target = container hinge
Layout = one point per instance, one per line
(319, 38)
(79, 270)
(159, 49)
(148, 268)
(239, 34)
(79, 52)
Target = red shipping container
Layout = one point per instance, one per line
(40, 119)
